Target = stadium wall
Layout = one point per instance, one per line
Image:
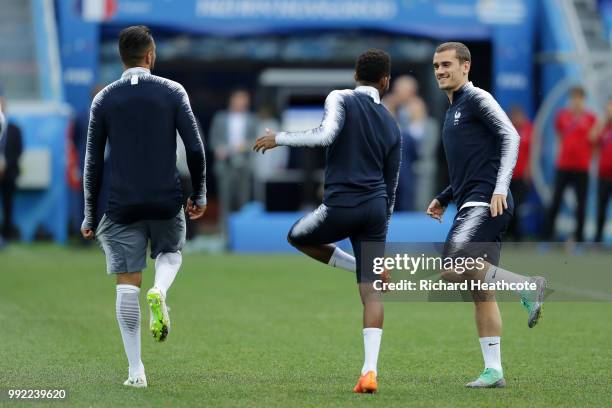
(508, 24)
(254, 230)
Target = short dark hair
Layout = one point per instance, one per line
(134, 42)
(372, 66)
(461, 50)
(577, 91)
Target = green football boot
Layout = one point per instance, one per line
(490, 378)
(532, 300)
(159, 318)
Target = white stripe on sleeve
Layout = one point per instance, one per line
(326, 133)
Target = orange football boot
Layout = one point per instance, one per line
(367, 383)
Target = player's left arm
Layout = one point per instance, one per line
(321, 136)
(94, 164)
(494, 117)
(391, 174)
(189, 132)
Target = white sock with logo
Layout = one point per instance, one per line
(342, 260)
(167, 265)
(371, 345)
(127, 309)
(497, 274)
(491, 352)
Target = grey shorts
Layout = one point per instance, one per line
(125, 245)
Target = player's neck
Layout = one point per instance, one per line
(359, 83)
(143, 65)
(451, 92)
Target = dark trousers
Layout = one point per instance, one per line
(520, 189)
(604, 190)
(8, 188)
(578, 180)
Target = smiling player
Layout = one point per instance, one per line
(481, 147)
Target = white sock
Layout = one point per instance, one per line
(371, 345)
(491, 352)
(167, 265)
(128, 317)
(497, 274)
(342, 260)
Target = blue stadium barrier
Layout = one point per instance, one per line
(44, 209)
(255, 230)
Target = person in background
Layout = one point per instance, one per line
(403, 102)
(521, 177)
(425, 132)
(266, 166)
(231, 133)
(573, 125)
(405, 90)
(603, 138)
(12, 143)
(391, 102)
(405, 197)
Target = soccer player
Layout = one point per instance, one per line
(363, 156)
(138, 116)
(481, 148)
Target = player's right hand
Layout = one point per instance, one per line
(87, 233)
(435, 210)
(266, 142)
(193, 210)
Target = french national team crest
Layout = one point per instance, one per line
(457, 116)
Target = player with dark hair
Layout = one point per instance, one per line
(362, 164)
(481, 147)
(138, 116)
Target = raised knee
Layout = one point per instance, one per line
(291, 239)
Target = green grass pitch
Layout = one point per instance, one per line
(279, 331)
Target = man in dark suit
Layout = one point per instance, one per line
(11, 147)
